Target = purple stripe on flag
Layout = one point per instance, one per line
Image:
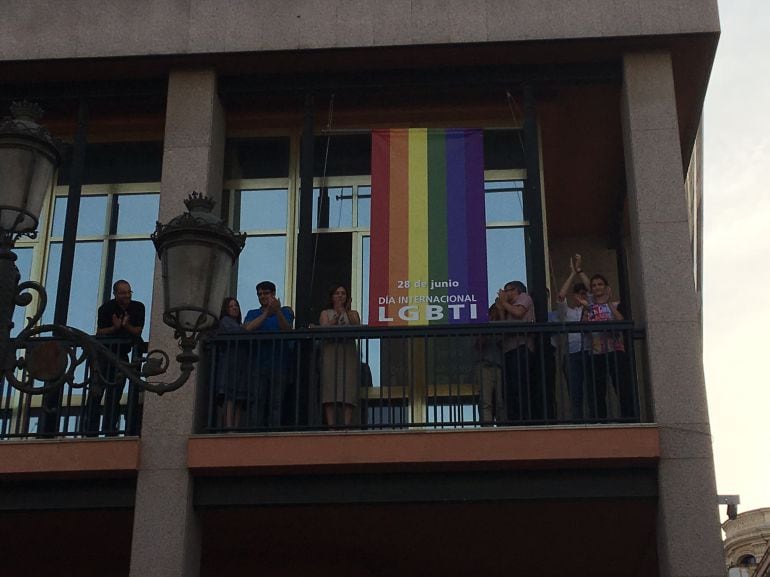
(476, 220)
(457, 242)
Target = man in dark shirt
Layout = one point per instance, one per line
(119, 318)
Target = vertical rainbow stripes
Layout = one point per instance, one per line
(428, 237)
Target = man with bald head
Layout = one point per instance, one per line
(119, 318)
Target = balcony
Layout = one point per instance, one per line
(500, 374)
(76, 410)
(363, 378)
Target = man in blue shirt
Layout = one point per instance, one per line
(270, 316)
(271, 357)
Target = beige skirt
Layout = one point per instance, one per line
(340, 372)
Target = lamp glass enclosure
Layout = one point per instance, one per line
(26, 177)
(196, 274)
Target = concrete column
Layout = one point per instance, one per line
(689, 539)
(166, 538)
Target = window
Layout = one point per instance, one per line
(747, 561)
(338, 208)
(118, 211)
(112, 242)
(506, 250)
(259, 202)
(263, 216)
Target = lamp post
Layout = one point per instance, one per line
(196, 250)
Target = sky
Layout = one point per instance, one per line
(737, 252)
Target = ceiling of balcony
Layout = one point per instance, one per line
(582, 158)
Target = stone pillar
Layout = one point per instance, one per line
(689, 539)
(166, 537)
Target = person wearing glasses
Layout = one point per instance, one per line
(271, 358)
(119, 318)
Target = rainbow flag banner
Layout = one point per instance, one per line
(428, 259)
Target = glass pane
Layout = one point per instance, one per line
(263, 258)
(506, 258)
(338, 208)
(370, 349)
(90, 219)
(364, 206)
(365, 248)
(504, 201)
(263, 209)
(85, 291)
(135, 262)
(24, 264)
(137, 213)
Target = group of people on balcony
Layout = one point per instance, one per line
(592, 359)
(340, 367)
(519, 375)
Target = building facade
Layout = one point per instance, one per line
(590, 112)
(747, 542)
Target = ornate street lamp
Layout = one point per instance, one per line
(28, 158)
(196, 250)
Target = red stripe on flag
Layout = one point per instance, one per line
(380, 221)
(399, 219)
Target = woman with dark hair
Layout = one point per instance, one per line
(340, 365)
(232, 364)
(606, 361)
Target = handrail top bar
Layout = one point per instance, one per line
(366, 331)
(104, 339)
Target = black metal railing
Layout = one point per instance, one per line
(496, 374)
(77, 410)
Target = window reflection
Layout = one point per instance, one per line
(135, 262)
(91, 217)
(100, 257)
(263, 258)
(333, 207)
(504, 201)
(84, 290)
(136, 213)
(263, 209)
(365, 252)
(506, 258)
(364, 206)
(370, 349)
